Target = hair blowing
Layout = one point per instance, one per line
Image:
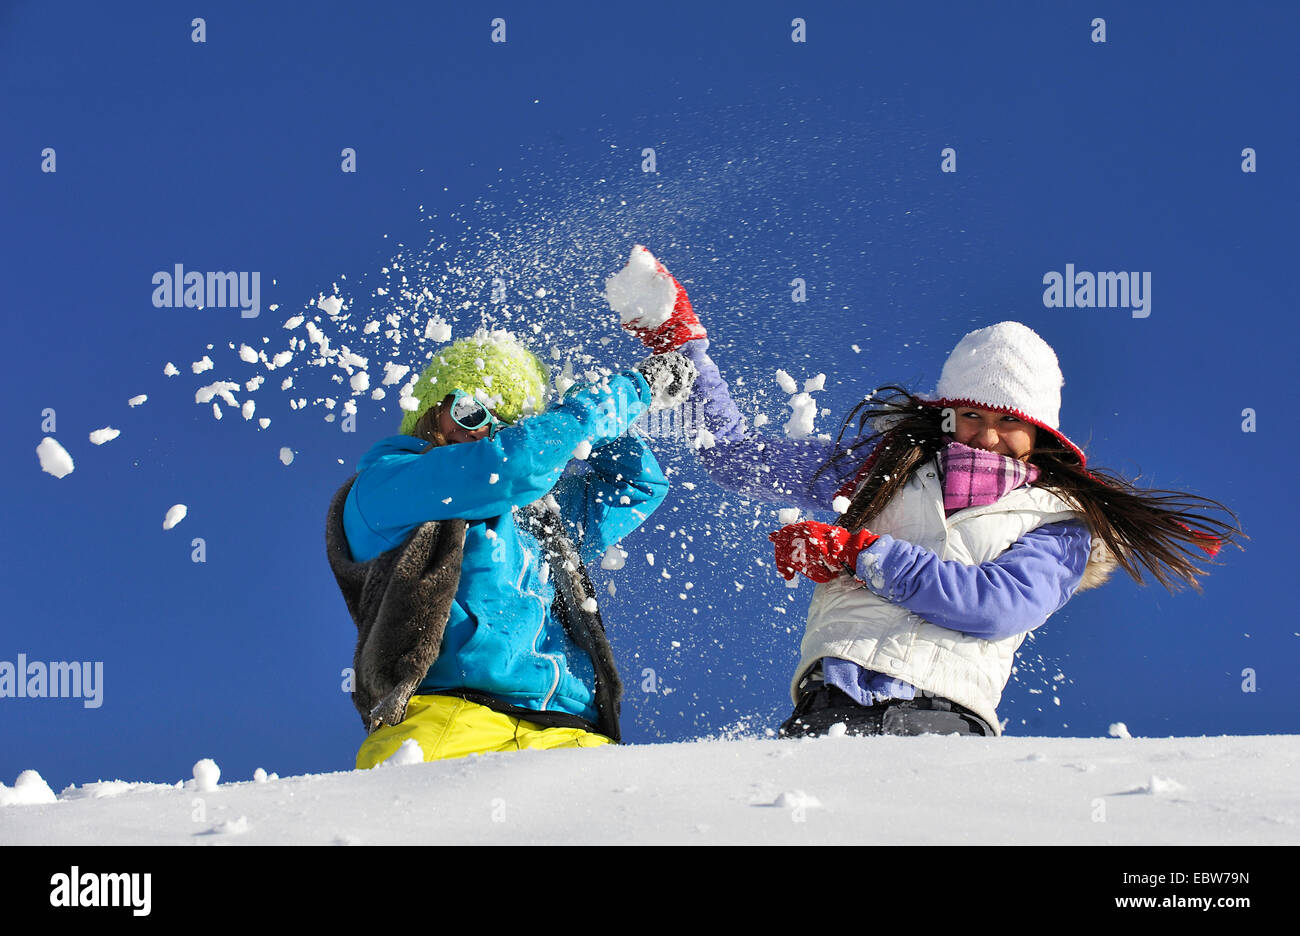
(1141, 527)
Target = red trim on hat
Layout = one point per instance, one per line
(1012, 411)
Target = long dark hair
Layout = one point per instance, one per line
(1141, 527)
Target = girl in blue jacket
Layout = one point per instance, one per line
(966, 519)
(508, 673)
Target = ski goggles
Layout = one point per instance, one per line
(470, 413)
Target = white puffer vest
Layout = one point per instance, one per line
(849, 621)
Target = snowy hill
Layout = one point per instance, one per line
(1210, 790)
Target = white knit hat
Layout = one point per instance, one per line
(1006, 368)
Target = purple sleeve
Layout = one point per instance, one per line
(768, 468)
(1011, 594)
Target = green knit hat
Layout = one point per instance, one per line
(492, 366)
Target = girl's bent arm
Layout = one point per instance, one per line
(1011, 594)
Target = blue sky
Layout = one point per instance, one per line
(523, 160)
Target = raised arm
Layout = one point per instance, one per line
(654, 307)
(769, 468)
(478, 480)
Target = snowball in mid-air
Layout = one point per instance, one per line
(582, 450)
(206, 775)
(137, 399)
(107, 434)
(803, 413)
(640, 293)
(787, 515)
(437, 330)
(29, 789)
(813, 384)
(613, 559)
(170, 370)
(331, 305)
(841, 504)
(175, 514)
(54, 458)
(786, 382)
(589, 605)
(286, 455)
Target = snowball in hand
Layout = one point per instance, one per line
(639, 293)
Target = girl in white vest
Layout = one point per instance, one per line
(967, 518)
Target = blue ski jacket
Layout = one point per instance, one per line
(501, 637)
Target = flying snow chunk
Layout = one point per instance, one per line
(803, 412)
(175, 514)
(841, 504)
(206, 775)
(760, 419)
(54, 458)
(170, 370)
(613, 559)
(582, 450)
(263, 422)
(786, 382)
(247, 409)
(639, 293)
(29, 789)
(332, 305)
(107, 434)
(814, 384)
(295, 321)
(286, 455)
(589, 605)
(540, 294)
(247, 354)
(219, 388)
(437, 330)
(136, 400)
(394, 373)
(493, 478)
(203, 364)
(1119, 730)
(787, 515)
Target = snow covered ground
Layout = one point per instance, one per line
(1212, 790)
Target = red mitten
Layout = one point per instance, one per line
(658, 328)
(818, 550)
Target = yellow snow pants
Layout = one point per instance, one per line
(447, 727)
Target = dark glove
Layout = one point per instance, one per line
(670, 376)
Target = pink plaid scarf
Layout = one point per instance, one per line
(973, 477)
